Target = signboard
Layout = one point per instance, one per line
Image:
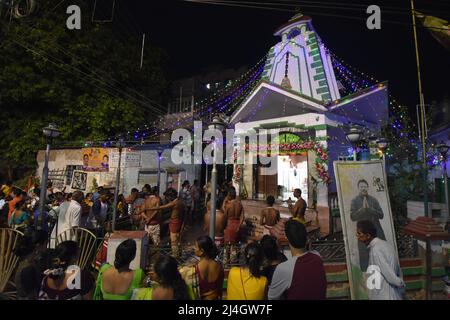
(79, 180)
(363, 195)
(130, 159)
(95, 159)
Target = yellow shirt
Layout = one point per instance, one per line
(254, 287)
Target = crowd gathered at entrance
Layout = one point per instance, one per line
(46, 265)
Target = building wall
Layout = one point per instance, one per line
(60, 159)
(337, 146)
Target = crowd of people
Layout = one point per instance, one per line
(52, 274)
(46, 268)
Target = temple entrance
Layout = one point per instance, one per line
(292, 174)
(266, 185)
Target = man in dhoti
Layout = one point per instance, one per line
(220, 224)
(176, 217)
(151, 217)
(234, 211)
(269, 216)
(299, 208)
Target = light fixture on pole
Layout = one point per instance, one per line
(120, 145)
(160, 151)
(354, 136)
(382, 144)
(216, 124)
(442, 148)
(50, 133)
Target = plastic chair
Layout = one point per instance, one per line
(86, 241)
(9, 239)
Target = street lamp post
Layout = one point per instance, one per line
(120, 144)
(382, 146)
(160, 152)
(216, 124)
(443, 150)
(50, 132)
(354, 136)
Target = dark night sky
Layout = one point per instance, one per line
(198, 36)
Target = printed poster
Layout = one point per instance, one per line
(363, 195)
(95, 159)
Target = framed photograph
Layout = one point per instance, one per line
(363, 195)
(79, 180)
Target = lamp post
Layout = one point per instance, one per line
(382, 146)
(354, 136)
(443, 150)
(120, 144)
(160, 151)
(216, 124)
(50, 132)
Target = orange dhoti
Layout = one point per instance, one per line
(175, 225)
(232, 230)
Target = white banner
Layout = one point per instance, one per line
(129, 159)
(363, 195)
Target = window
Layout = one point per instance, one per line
(150, 177)
(293, 33)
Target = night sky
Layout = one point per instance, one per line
(200, 36)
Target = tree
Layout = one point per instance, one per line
(88, 81)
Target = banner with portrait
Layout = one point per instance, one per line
(363, 195)
(79, 180)
(95, 159)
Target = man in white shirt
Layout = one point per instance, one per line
(384, 281)
(69, 216)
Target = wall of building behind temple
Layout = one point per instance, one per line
(61, 158)
(337, 146)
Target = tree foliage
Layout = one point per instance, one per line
(87, 81)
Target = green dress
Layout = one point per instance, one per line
(146, 294)
(100, 294)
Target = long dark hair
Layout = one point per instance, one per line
(125, 253)
(64, 255)
(208, 246)
(166, 269)
(270, 248)
(29, 242)
(254, 257)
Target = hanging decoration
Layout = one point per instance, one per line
(286, 83)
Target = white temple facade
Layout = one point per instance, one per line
(298, 97)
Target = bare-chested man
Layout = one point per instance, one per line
(298, 210)
(176, 217)
(234, 211)
(269, 216)
(220, 224)
(151, 217)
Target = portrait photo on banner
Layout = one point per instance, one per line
(95, 159)
(79, 180)
(363, 195)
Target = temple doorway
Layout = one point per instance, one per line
(292, 174)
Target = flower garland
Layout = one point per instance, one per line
(237, 169)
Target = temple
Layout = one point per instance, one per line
(299, 97)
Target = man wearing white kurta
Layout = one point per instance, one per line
(383, 263)
(68, 217)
